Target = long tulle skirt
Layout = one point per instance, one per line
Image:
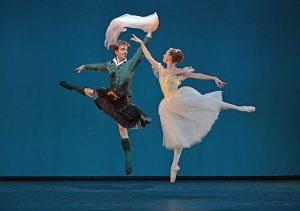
(188, 116)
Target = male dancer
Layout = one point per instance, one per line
(115, 101)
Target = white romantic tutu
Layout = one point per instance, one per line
(188, 116)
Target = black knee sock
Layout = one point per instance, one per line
(80, 90)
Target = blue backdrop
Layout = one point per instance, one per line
(253, 45)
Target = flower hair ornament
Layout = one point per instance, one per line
(176, 50)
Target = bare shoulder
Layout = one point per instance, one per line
(158, 66)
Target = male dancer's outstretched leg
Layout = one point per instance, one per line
(80, 90)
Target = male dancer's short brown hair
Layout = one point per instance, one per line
(117, 44)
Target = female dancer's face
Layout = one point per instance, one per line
(166, 56)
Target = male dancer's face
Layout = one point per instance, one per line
(121, 53)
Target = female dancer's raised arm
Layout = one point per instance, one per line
(146, 53)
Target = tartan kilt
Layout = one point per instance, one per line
(121, 110)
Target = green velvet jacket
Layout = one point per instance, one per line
(120, 76)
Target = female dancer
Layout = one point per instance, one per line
(186, 115)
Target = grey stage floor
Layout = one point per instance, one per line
(150, 195)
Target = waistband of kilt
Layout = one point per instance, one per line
(110, 93)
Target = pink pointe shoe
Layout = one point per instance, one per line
(173, 173)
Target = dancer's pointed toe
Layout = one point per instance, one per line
(249, 108)
(128, 168)
(173, 173)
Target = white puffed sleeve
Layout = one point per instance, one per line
(183, 70)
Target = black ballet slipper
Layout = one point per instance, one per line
(128, 168)
(65, 85)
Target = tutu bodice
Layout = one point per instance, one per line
(169, 85)
(169, 82)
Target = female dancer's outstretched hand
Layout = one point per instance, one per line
(136, 39)
(219, 83)
(79, 69)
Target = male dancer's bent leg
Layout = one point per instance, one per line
(125, 143)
